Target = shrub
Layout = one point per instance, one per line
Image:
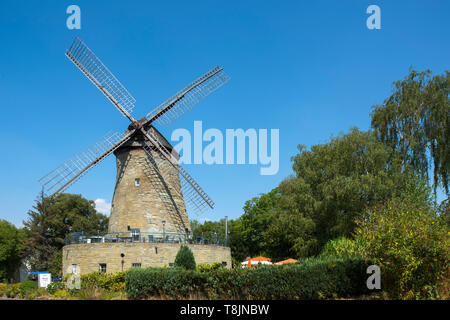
(3, 289)
(185, 258)
(104, 281)
(343, 247)
(13, 290)
(311, 279)
(28, 286)
(55, 286)
(60, 294)
(208, 267)
(410, 244)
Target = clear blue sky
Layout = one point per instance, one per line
(309, 68)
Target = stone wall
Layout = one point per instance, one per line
(88, 256)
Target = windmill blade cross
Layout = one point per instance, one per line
(91, 66)
(184, 100)
(194, 196)
(62, 177)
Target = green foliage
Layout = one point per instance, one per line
(28, 285)
(105, 281)
(414, 122)
(185, 258)
(333, 182)
(258, 214)
(13, 290)
(310, 279)
(60, 294)
(55, 263)
(25, 290)
(343, 247)
(215, 230)
(411, 245)
(209, 267)
(55, 286)
(51, 220)
(12, 242)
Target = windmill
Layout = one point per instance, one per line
(152, 189)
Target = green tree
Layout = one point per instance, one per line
(257, 216)
(410, 243)
(185, 258)
(52, 219)
(12, 246)
(333, 183)
(414, 122)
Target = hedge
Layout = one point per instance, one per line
(314, 278)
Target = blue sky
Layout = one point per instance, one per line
(311, 69)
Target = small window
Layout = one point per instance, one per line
(135, 235)
(170, 264)
(137, 182)
(136, 265)
(102, 267)
(74, 268)
(224, 263)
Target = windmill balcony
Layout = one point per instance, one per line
(142, 237)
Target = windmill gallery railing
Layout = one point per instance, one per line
(143, 237)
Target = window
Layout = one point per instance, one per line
(136, 265)
(102, 267)
(224, 263)
(135, 235)
(137, 182)
(74, 268)
(170, 264)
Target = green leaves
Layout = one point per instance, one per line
(309, 279)
(51, 220)
(12, 244)
(414, 122)
(185, 258)
(410, 243)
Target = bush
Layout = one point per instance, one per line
(343, 247)
(208, 267)
(410, 243)
(104, 281)
(60, 294)
(185, 258)
(27, 286)
(55, 286)
(13, 290)
(314, 278)
(3, 288)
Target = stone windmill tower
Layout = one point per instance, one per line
(153, 192)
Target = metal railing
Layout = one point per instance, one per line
(140, 237)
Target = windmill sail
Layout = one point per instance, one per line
(62, 177)
(186, 99)
(195, 197)
(101, 77)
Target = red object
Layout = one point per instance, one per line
(261, 259)
(287, 261)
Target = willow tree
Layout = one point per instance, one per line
(414, 122)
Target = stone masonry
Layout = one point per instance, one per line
(142, 200)
(88, 257)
